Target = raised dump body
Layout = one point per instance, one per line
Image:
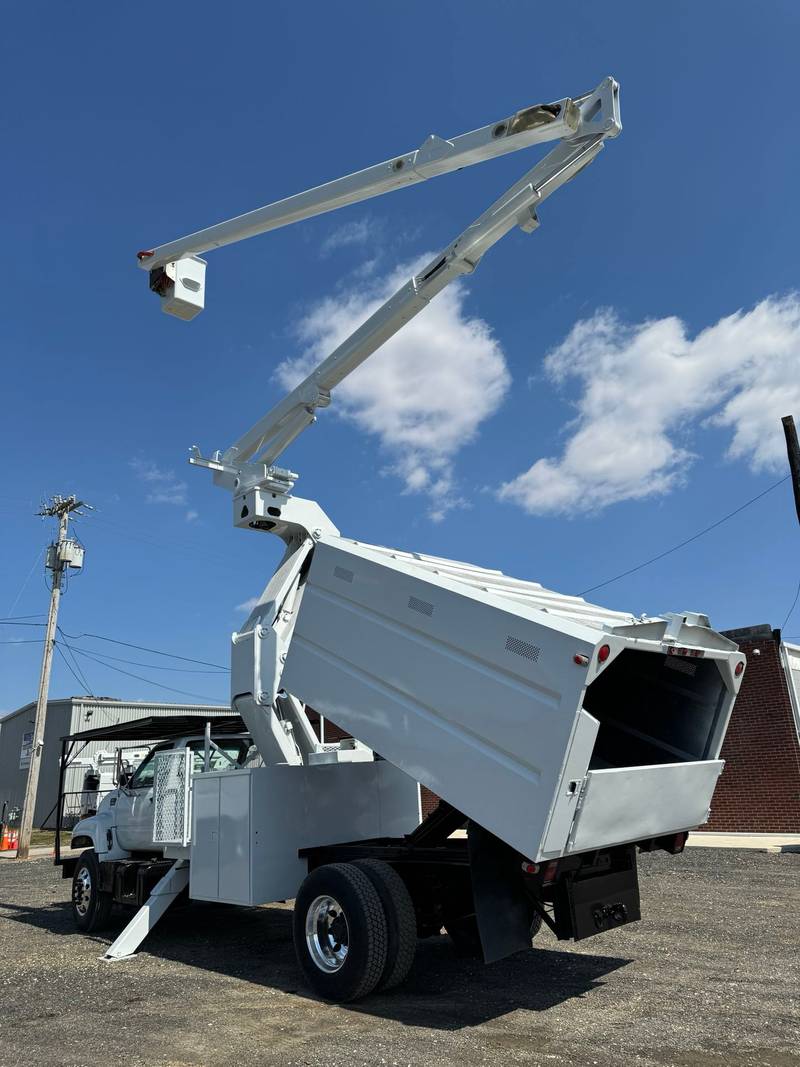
(558, 726)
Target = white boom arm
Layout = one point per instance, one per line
(582, 124)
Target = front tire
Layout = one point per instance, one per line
(340, 932)
(91, 907)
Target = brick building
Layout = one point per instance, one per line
(759, 791)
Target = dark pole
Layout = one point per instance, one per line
(793, 451)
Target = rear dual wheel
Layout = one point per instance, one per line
(354, 929)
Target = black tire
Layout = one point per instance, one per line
(401, 920)
(91, 908)
(340, 945)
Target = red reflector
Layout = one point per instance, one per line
(530, 868)
(739, 668)
(603, 654)
(145, 254)
(580, 660)
(550, 871)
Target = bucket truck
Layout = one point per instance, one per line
(561, 736)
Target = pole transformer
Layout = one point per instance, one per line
(62, 555)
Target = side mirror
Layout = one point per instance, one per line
(125, 779)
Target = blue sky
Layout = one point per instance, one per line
(608, 390)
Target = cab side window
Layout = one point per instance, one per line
(146, 773)
(143, 778)
(236, 750)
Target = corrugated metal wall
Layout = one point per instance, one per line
(67, 717)
(12, 776)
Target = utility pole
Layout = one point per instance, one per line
(793, 451)
(61, 555)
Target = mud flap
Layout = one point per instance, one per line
(501, 903)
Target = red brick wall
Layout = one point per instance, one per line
(430, 801)
(333, 733)
(759, 791)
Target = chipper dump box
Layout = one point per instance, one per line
(560, 736)
(557, 726)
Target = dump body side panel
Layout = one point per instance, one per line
(475, 700)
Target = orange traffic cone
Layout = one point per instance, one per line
(5, 840)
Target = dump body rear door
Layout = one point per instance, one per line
(621, 804)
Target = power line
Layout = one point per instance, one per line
(15, 618)
(143, 648)
(24, 641)
(791, 609)
(75, 663)
(127, 644)
(688, 541)
(22, 588)
(68, 665)
(154, 666)
(149, 681)
(175, 547)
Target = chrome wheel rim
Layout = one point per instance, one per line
(327, 934)
(82, 893)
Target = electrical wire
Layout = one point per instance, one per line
(25, 641)
(794, 605)
(175, 548)
(688, 541)
(155, 666)
(15, 618)
(69, 667)
(127, 644)
(143, 648)
(75, 662)
(149, 681)
(27, 579)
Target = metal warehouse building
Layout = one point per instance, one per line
(67, 716)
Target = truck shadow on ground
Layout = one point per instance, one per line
(443, 991)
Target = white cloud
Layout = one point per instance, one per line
(192, 515)
(357, 232)
(425, 393)
(164, 487)
(247, 606)
(645, 388)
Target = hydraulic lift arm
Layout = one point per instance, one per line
(581, 125)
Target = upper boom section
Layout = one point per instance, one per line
(530, 126)
(177, 274)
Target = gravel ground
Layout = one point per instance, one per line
(710, 976)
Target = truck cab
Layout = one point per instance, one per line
(123, 822)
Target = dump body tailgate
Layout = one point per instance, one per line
(621, 804)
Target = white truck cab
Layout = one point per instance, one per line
(124, 819)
